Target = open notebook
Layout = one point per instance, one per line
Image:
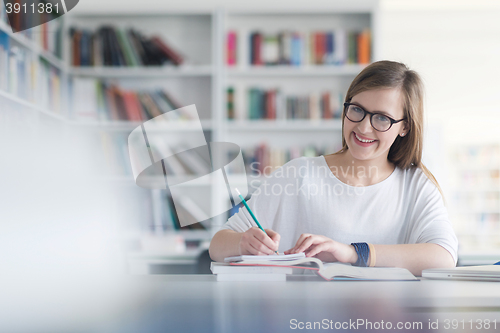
(330, 271)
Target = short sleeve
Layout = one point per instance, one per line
(429, 221)
(265, 202)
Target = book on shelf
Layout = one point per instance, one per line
(30, 78)
(96, 100)
(231, 48)
(47, 36)
(328, 271)
(257, 103)
(118, 47)
(185, 209)
(166, 214)
(331, 47)
(262, 158)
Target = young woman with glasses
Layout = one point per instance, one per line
(373, 203)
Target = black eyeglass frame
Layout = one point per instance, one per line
(346, 105)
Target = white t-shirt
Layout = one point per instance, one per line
(303, 196)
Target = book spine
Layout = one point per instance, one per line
(231, 48)
(173, 55)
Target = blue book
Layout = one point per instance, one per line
(4, 40)
(296, 50)
(330, 47)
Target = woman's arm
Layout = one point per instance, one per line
(227, 243)
(414, 257)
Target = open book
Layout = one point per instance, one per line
(328, 271)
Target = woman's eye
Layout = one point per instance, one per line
(382, 119)
(358, 110)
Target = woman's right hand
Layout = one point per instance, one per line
(255, 242)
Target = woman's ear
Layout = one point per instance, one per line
(405, 130)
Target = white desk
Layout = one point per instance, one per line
(198, 303)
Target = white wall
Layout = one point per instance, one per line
(456, 48)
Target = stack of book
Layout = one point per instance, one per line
(95, 100)
(293, 48)
(259, 103)
(110, 46)
(228, 272)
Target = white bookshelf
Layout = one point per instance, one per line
(474, 203)
(193, 82)
(203, 80)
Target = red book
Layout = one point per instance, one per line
(132, 106)
(76, 47)
(271, 101)
(110, 99)
(45, 35)
(257, 49)
(320, 47)
(327, 108)
(176, 58)
(120, 105)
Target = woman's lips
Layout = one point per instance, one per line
(361, 143)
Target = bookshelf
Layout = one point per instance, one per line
(203, 79)
(475, 196)
(145, 215)
(289, 78)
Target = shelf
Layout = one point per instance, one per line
(142, 72)
(20, 39)
(30, 105)
(476, 211)
(478, 167)
(320, 70)
(284, 125)
(475, 189)
(126, 126)
(129, 180)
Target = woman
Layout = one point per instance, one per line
(375, 190)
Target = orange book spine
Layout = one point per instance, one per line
(364, 47)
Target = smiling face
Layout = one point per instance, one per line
(388, 101)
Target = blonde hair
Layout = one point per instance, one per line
(406, 151)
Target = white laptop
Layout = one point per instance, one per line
(475, 273)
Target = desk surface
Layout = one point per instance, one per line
(198, 303)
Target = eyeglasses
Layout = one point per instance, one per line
(379, 121)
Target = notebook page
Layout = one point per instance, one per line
(368, 273)
(271, 257)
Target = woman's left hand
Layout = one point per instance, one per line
(324, 248)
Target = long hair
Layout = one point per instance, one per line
(406, 151)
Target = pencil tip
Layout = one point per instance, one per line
(237, 191)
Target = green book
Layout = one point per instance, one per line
(130, 56)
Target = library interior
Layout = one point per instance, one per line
(129, 129)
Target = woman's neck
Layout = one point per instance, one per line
(354, 172)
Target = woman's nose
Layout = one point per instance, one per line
(365, 126)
